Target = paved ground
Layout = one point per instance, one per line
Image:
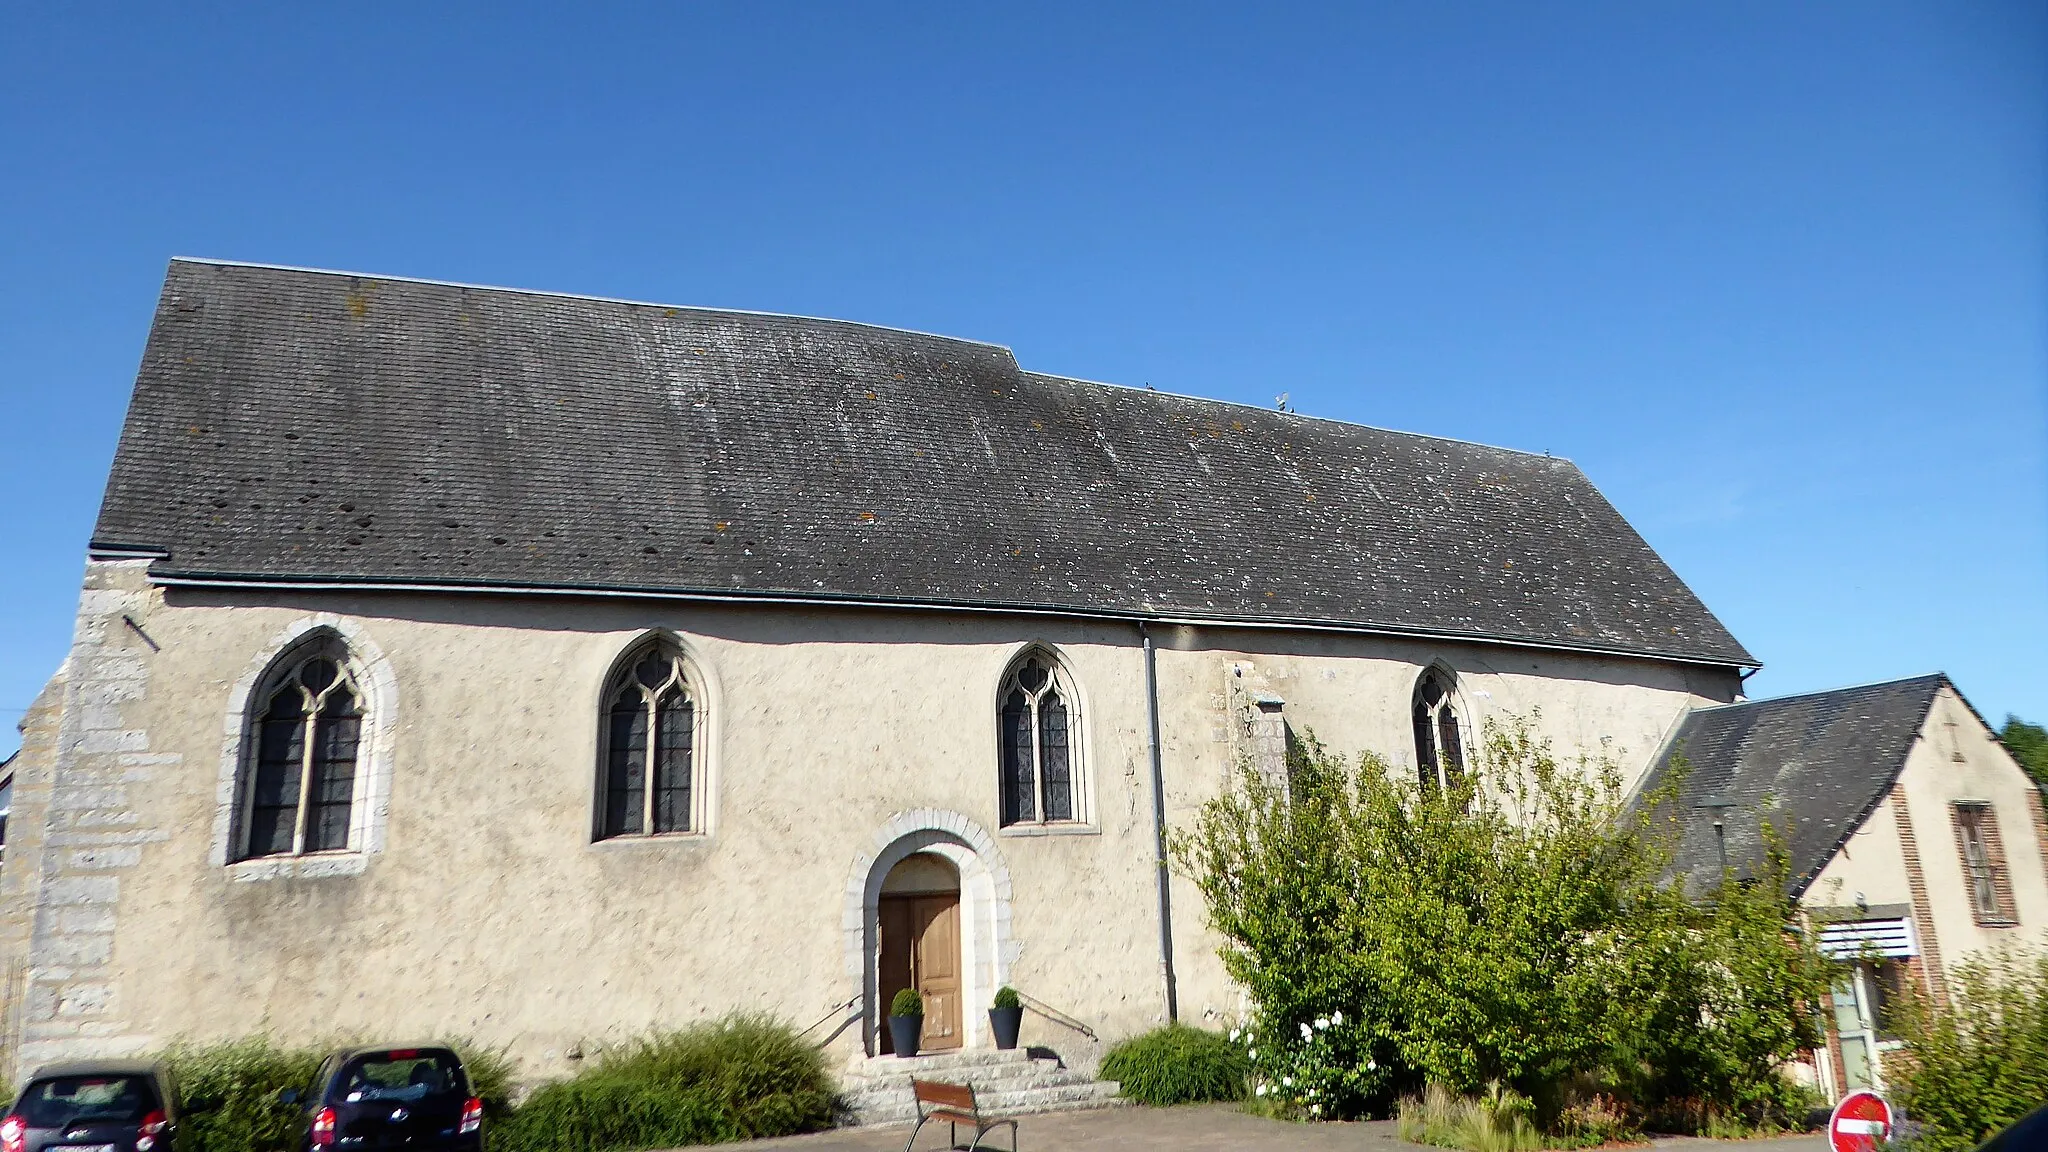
(1202, 1128)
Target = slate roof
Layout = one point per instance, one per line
(1821, 761)
(294, 425)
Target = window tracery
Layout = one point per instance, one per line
(300, 777)
(1037, 754)
(1439, 743)
(650, 784)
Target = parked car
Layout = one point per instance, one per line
(93, 1106)
(365, 1099)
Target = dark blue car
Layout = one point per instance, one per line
(389, 1100)
(93, 1106)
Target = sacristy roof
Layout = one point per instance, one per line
(1817, 763)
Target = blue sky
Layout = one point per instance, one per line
(1775, 275)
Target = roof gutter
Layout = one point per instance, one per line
(173, 578)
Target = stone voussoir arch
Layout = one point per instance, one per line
(988, 945)
(380, 684)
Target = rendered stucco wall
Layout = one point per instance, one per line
(1957, 759)
(1871, 865)
(487, 912)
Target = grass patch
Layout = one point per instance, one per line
(1178, 1064)
(1503, 1120)
(739, 1078)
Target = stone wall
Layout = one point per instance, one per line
(482, 908)
(78, 835)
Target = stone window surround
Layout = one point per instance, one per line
(373, 762)
(1461, 708)
(1080, 727)
(706, 698)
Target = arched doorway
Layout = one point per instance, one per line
(918, 945)
(982, 882)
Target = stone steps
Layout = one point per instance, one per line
(1006, 1083)
(976, 1074)
(931, 1062)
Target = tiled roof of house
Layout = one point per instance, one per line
(292, 425)
(1818, 764)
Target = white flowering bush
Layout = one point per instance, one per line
(1323, 1068)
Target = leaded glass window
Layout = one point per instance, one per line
(1035, 740)
(299, 787)
(650, 731)
(1439, 747)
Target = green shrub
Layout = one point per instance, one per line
(1518, 930)
(229, 1090)
(592, 1113)
(490, 1078)
(907, 1003)
(1982, 1063)
(738, 1078)
(1177, 1065)
(1006, 997)
(229, 1093)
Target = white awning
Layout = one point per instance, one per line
(1851, 939)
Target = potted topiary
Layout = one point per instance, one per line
(906, 1021)
(1006, 1017)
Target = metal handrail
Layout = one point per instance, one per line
(844, 1013)
(1056, 1016)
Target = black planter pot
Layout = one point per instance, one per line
(1004, 1022)
(906, 1031)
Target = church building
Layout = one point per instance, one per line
(539, 669)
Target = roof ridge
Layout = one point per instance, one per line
(429, 280)
(1820, 692)
(1302, 416)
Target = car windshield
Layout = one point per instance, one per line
(62, 1101)
(404, 1074)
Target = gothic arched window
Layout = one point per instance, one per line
(1036, 725)
(1439, 749)
(299, 778)
(649, 777)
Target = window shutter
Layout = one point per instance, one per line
(1985, 874)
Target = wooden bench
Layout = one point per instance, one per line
(954, 1103)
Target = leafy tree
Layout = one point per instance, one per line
(1983, 1062)
(2028, 744)
(1516, 931)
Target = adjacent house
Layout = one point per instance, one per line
(1916, 841)
(541, 669)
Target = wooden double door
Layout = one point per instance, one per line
(920, 948)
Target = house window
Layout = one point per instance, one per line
(1036, 738)
(650, 755)
(299, 764)
(1983, 853)
(1439, 747)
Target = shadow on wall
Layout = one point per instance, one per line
(773, 623)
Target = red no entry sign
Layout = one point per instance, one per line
(1861, 1122)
